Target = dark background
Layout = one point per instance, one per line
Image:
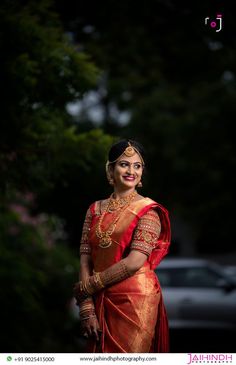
(75, 77)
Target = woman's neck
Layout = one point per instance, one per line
(118, 194)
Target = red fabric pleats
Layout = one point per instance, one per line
(132, 316)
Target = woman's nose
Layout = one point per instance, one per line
(130, 168)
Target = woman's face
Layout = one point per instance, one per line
(127, 172)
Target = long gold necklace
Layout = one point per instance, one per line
(112, 205)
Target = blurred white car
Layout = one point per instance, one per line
(230, 271)
(197, 294)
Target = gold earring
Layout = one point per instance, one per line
(111, 181)
(139, 184)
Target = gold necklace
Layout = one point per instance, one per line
(115, 204)
(121, 204)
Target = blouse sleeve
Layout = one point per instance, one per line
(147, 232)
(85, 247)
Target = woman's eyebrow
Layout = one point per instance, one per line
(131, 162)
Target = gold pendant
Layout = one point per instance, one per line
(105, 242)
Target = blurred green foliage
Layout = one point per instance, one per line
(40, 72)
(36, 276)
(45, 169)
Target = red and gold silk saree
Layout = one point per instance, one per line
(131, 313)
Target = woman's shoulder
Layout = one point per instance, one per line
(144, 200)
(97, 206)
(155, 204)
(143, 204)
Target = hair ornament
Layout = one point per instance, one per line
(129, 151)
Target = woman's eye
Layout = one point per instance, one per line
(123, 164)
(137, 167)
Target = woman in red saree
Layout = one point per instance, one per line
(123, 240)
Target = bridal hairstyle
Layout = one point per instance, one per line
(118, 148)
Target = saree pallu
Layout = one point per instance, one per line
(131, 313)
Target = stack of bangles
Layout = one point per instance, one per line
(86, 288)
(87, 309)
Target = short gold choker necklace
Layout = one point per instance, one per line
(118, 203)
(113, 204)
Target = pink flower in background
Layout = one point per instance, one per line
(23, 214)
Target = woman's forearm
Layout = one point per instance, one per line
(86, 268)
(119, 271)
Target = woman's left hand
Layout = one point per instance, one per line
(91, 327)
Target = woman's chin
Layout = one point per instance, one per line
(127, 185)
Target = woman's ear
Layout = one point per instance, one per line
(110, 174)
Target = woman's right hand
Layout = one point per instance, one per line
(90, 327)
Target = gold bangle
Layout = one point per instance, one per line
(88, 317)
(87, 287)
(99, 280)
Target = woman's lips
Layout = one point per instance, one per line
(129, 178)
